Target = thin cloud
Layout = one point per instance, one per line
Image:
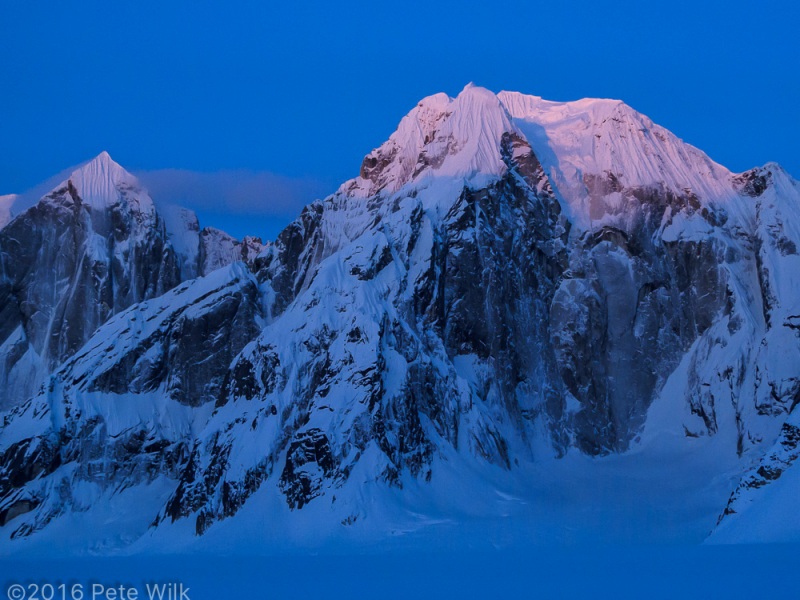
(241, 202)
(237, 192)
(30, 197)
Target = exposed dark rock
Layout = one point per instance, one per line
(308, 464)
(754, 182)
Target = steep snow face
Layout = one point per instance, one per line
(6, 204)
(595, 150)
(498, 287)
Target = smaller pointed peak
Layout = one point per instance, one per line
(102, 167)
(100, 180)
(103, 160)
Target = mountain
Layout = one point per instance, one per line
(89, 249)
(517, 303)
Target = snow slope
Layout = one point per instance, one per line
(594, 137)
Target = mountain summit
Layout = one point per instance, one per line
(442, 137)
(101, 183)
(555, 311)
(575, 141)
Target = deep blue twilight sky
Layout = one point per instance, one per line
(246, 110)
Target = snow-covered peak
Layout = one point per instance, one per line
(594, 151)
(577, 141)
(444, 137)
(6, 204)
(102, 182)
(476, 128)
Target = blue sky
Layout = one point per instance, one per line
(287, 98)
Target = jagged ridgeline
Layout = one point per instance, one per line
(508, 280)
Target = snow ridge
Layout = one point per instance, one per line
(596, 136)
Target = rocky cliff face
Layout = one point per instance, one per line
(508, 278)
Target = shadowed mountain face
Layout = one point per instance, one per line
(507, 279)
